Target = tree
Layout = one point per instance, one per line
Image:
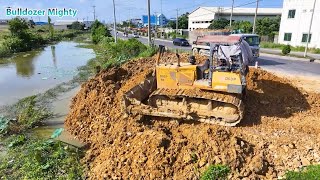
(219, 24)
(18, 27)
(242, 26)
(183, 21)
(77, 25)
(268, 26)
(172, 24)
(51, 30)
(99, 31)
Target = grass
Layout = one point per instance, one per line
(216, 172)
(29, 158)
(310, 173)
(296, 48)
(23, 115)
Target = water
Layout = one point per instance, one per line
(36, 71)
(60, 109)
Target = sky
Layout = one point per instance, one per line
(126, 9)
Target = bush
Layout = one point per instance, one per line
(99, 31)
(286, 49)
(4, 51)
(216, 172)
(310, 173)
(34, 159)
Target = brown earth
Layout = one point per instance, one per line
(280, 131)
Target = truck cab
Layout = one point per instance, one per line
(254, 42)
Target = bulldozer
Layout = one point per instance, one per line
(210, 92)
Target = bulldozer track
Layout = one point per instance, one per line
(233, 99)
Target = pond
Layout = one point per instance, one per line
(36, 71)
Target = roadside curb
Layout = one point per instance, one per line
(290, 58)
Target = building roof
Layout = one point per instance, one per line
(241, 11)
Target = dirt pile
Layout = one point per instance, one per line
(279, 132)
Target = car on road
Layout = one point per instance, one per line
(180, 42)
(136, 35)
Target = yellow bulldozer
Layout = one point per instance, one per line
(211, 92)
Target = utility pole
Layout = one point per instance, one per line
(94, 12)
(114, 22)
(161, 14)
(149, 24)
(255, 18)
(231, 13)
(177, 21)
(306, 50)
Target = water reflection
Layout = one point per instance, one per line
(54, 58)
(25, 64)
(36, 71)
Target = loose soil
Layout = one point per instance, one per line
(280, 131)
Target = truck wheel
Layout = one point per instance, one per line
(195, 51)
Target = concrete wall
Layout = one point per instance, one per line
(300, 24)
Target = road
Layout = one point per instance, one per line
(277, 64)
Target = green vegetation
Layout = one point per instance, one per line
(216, 172)
(242, 26)
(310, 173)
(99, 31)
(182, 22)
(219, 24)
(28, 158)
(296, 48)
(51, 30)
(24, 36)
(114, 54)
(77, 26)
(286, 49)
(268, 26)
(265, 26)
(23, 115)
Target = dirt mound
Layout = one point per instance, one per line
(279, 131)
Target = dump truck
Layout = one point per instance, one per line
(211, 92)
(202, 44)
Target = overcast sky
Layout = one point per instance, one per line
(127, 9)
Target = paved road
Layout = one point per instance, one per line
(273, 63)
(282, 65)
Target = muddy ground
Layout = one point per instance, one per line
(280, 131)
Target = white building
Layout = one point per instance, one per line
(66, 24)
(202, 17)
(295, 23)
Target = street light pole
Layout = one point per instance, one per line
(114, 22)
(255, 18)
(306, 49)
(149, 24)
(94, 12)
(231, 13)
